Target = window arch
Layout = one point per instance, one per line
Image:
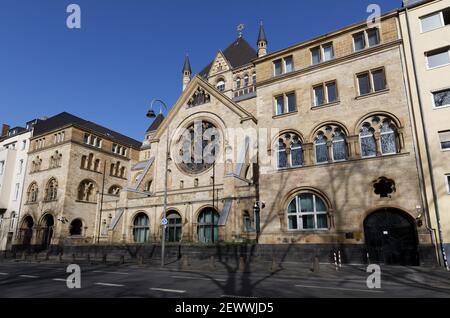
(254, 78)
(207, 227)
(220, 85)
(32, 193)
(386, 144)
(246, 80)
(289, 151)
(307, 211)
(174, 227)
(330, 144)
(76, 227)
(51, 190)
(141, 228)
(115, 190)
(87, 191)
(238, 83)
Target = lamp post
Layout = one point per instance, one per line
(151, 114)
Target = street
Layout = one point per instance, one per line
(20, 279)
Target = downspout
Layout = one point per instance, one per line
(417, 152)
(427, 146)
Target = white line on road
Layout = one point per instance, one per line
(59, 279)
(3, 274)
(169, 290)
(200, 278)
(341, 288)
(28, 276)
(117, 273)
(109, 285)
(235, 296)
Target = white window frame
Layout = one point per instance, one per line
(299, 214)
(435, 67)
(441, 16)
(297, 146)
(315, 152)
(283, 65)
(360, 145)
(440, 143)
(371, 82)
(433, 102)
(381, 148)
(366, 39)
(332, 148)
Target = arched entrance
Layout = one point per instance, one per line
(47, 230)
(391, 238)
(26, 230)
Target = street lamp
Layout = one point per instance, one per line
(151, 114)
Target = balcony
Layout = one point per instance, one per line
(244, 93)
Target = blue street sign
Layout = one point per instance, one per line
(164, 221)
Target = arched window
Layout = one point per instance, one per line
(367, 141)
(87, 191)
(246, 80)
(321, 148)
(122, 172)
(296, 152)
(388, 142)
(388, 138)
(339, 145)
(83, 162)
(331, 136)
(51, 190)
(32, 193)
(307, 211)
(254, 78)
(174, 227)
(220, 85)
(207, 227)
(281, 155)
(141, 228)
(238, 83)
(76, 227)
(115, 190)
(12, 222)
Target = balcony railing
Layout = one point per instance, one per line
(244, 93)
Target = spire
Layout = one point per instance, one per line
(187, 65)
(262, 35)
(262, 41)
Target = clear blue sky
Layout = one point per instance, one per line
(130, 51)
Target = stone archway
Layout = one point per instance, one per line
(47, 225)
(26, 230)
(391, 238)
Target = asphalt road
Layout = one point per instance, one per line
(49, 280)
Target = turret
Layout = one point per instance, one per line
(186, 72)
(262, 41)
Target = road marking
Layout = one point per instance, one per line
(341, 288)
(59, 279)
(200, 278)
(109, 285)
(4, 274)
(169, 290)
(28, 276)
(235, 296)
(117, 273)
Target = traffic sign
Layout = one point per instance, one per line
(164, 221)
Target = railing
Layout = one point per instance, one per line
(244, 92)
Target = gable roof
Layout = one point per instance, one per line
(156, 123)
(64, 119)
(237, 54)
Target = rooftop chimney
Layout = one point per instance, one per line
(5, 129)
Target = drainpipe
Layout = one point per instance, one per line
(427, 145)
(418, 156)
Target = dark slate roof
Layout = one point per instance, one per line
(65, 119)
(237, 53)
(156, 123)
(262, 35)
(187, 65)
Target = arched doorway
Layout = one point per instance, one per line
(76, 227)
(26, 230)
(208, 226)
(391, 238)
(47, 230)
(141, 228)
(174, 227)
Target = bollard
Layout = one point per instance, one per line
(184, 262)
(47, 256)
(274, 267)
(339, 259)
(104, 258)
(141, 260)
(241, 264)
(122, 259)
(316, 264)
(212, 263)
